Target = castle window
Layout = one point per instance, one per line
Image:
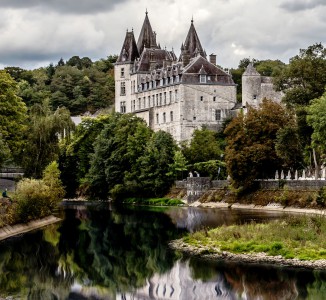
(153, 100)
(214, 98)
(157, 119)
(255, 97)
(176, 95)
(201, 98)
(194, 118)
(149, 101)
(202, 78)
(156, 99)
(217, 115)
(144, 102)
(122, 72)
(139, 103)
(123, 89)
(123, 106)
(160, 98)
(164, 117)
(170, 96)
(164, 98)
(171, 116)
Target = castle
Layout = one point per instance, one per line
(173, 94)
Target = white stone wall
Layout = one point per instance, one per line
(126, 79)
(251, 90)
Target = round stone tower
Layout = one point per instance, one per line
(251, 86)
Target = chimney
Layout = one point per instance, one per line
(212, 59)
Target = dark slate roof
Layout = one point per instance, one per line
(192, 44)
(154, 56)
(200, 65)
(129, 51)
(250, 70)
(147, 38)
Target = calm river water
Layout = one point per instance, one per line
(100, 252)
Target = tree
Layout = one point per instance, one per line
(316, 118)
(250, 151)
(179, 164)
(42, 138)
(13, 115)
(204, 146)
(304, 79)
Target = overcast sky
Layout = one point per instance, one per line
(34, 33)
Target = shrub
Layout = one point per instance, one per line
(37, 198)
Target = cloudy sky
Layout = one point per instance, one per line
(34, 33)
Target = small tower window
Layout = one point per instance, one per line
(214, 98)
(122, 73)
(123, 89)
(201, 98)
(123, 106)
(164, 117)
(171, 116)
(255, 97)
(157, 119)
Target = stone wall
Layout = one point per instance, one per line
(196, 186)
(292, 184)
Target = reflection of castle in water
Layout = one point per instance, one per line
(178, 284)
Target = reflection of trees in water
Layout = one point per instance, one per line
(263, 282)
(117, 250)
(28, 268)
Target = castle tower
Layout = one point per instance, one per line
(147, 37)
(122, 73)
(191, 46)
(251, 86)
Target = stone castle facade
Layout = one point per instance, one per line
(173, 94)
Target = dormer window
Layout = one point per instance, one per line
(202, 78)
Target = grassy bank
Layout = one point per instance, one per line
(301, 237)
(154, 201)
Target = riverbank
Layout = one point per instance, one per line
(210, 253)
(14, 230)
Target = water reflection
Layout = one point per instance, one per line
(103, 253)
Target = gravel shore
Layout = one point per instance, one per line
(255, 258)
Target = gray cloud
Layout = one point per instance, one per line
(63, 6)
(300, 5)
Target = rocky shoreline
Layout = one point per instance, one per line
(255, 258)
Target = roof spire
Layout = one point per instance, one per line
(192, 19)
(146, 12)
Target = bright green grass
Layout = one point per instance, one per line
(154, 201)
(302, 237)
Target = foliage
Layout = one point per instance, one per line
(205, 145)
(296, 237)
(289, 148)
(316, 118)
(304, 78)
(250, 151)
(179, 165)
(37, 198)
(154, 201)
(215, 169)
(75, 153)
(45, 128)
(13, 116)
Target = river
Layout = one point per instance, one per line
(102, 252)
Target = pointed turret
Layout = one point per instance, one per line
(147, 38)
(129, 51)
(192, 45)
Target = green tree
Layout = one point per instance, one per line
(304, 78)
(204, 145)
(250, 151)
(179, 165)
(42, 138)
(13, 115)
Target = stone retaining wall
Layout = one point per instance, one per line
(292, 184)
